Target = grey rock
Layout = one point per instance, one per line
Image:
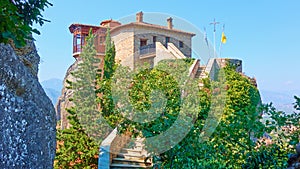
(29, 56)
(298, 148)
(27, 116)
(63, 101)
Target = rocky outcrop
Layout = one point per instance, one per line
(294, 159)
(27, 116)
(63, 101)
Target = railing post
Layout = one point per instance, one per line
(105, 150)
(104, 157)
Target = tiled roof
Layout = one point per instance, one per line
(152, 26)
(74, 25)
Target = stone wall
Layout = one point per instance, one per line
(124, 46)
(234, 62)
(27, 116)
(215, 64)
(141, 32)
(128, 41)
(162, 53)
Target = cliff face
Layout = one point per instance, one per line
(27, 116)
(63, 101)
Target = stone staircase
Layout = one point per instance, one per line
(132, 156)
(200, 71)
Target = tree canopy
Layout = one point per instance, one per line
(17, 18)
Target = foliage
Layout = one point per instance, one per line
(106, 102)
(17, 18)
(241, 138)
(229, 130)
(149, 87)
(109, 59)
(152, 98)
(78, 146)
(75, 149)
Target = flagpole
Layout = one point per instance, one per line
(221, 41)
(215, 43)
(206, 41)
(220, 49)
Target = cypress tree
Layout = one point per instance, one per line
(76, 146)
(106, 101)
(109, 59)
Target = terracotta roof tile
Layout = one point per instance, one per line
(151, 25)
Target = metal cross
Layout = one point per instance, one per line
(214, 23)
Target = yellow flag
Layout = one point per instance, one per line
(223, 39)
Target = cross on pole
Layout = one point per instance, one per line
(214, 23)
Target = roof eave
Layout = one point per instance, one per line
(152, 25)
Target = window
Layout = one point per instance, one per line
(77, 43)
(154, 39)
(143, 42)
(82, 40)
(102, 39)
(78, 39)
(167, 40)
(180, 44)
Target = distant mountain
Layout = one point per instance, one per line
(282, 100)
(53, 88)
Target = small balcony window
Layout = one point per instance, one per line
(143, 42)
(77, 43)
(154, 39)
(180, 44)
(167, 41)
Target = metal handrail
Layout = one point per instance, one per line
(151, 48)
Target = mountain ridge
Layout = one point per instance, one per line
(53, 88)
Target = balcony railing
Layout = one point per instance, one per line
(147, 49)
(77, 48)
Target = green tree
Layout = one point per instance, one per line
(78, 146)
(238, 141)
(17, 18)
(152, 101)
(106, 102)
(75, 149)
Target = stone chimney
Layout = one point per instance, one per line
(170, 23)
(139, 17)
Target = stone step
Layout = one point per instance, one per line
(133, 151)
(131, 156)
(127, 166)
(200, 70)
(130, 161)
(136, 147)
(136, 144)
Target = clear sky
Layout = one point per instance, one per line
(265, 34)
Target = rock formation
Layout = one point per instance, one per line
(63, 101)
(294, 159)
(27, 116)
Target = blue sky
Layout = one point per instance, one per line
(264, 34)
